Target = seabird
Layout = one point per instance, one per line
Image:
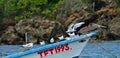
(72, 28)
(90, 27)
(78, 25)
(52, 40)
(68, 38)
(61, 37)
(42, 43)
(29, 45)
(97, 25)
(71, 34)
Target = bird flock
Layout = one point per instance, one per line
(70, 31)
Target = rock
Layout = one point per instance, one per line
(10, 37)
(102, 15)
(115, 28)
(39, 29)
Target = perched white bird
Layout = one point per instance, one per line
(61, 37)
(29, 45)
(68, 38)
(51, 40)
(71, 34)
(42, 43)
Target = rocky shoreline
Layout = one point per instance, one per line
(41, 28)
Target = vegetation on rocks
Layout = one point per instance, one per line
(45, 19)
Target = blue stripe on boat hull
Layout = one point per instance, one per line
(49, 46)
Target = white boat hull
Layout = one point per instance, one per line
(69, 48)
(67, 51)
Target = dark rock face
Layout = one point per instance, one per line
(115, 29)
(102, 15)
(39, 29)
(10, 37)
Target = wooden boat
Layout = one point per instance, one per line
(68, 48)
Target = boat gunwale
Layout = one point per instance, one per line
(45, 47)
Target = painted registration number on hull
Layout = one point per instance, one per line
(55, 50)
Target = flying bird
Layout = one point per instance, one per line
(78, 25)
(72, 28)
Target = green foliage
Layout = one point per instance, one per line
(117, 1)
(28, 8)
(10, 7)
(21, 9)
(1, 8)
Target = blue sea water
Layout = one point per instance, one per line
(92, 50)
(102, 50)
